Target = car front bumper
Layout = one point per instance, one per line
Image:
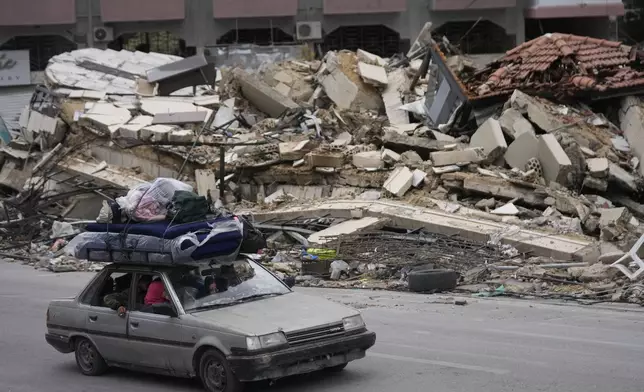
(59, 342)
(302, 359)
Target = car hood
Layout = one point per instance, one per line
(289, 312)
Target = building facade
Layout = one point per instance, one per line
(49, 27)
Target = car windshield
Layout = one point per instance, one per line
(224, 284)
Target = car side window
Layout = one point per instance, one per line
(113, 291)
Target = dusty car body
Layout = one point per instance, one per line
(246, 326)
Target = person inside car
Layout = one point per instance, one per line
(156, 293)
(122, 295)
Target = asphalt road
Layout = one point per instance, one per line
(488, 345)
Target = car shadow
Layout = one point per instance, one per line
(320, 379)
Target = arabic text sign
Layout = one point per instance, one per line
(14, 68)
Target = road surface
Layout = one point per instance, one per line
(423, 345)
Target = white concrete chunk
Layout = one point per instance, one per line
(182, 135)
(555, 163)
(156, 133)
(524, 147)
(507, 209)
(399, 181)
(390, 157)
(283, 77)
(373, 74)
(418, 178)
(490, 138)
(283, 89)
(397, 82)
(370, 58)
(346, 227)
(368, 160)
(598, 167)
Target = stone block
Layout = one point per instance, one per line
(283, 89)
(514, 124)
(614, 217)
(368, 160)
(598, 167)
(524, 147)
(283, 77)
(397, 82)
(554, 162)
(399, 181)
(325, 159)
(390, 157)
(418, 178)
(490, 138)
(447, 158)
(156, 133)
(370, 58)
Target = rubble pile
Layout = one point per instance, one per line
(535, 155)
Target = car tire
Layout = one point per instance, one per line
(88, 359)
(336, 369)
(423, 280)
(215, 373)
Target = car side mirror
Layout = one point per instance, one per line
(164, 309)
(289, 281)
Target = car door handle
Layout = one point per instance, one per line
(134, 324)
(93, 318)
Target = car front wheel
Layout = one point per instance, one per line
(216, 375)
(88, 359)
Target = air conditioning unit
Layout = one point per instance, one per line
(103, 34)
(309, 31)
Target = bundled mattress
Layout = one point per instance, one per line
(158, 242)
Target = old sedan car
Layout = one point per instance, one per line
(224, 323)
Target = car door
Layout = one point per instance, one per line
(107, 329)
(155, 340)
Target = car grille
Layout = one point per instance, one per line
(315, 334)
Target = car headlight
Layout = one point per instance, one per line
(265, 341)
(353, 322)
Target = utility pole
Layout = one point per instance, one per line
(90, 24)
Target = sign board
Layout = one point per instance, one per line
(14, 68)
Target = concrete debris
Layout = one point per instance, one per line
(490, 138)
(298, 140)
(399, 181)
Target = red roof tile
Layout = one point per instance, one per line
(574, 62)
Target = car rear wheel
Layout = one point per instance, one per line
(88, 359)
(216, 375)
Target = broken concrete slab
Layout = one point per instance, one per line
(411, 158)
(514, 124)
(346, 227)
(621, 177)
(598, 184)
(181, 136)
(283, 77)
(506, 209)
(499, 188)
(262, 96)
(413, 217)
(421, 145)
(555, 163)
(368, 160)
(392, 97)
(598, 167)
(372, 74)
(490, 138)
(399, 181)
(447, 158)
(343, 139)
(614, 217)
(370, 58)
(522, 149)
(283, 89)
(537, 111)
(156, 133)
(293, 151)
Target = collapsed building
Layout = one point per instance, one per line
(523, 173)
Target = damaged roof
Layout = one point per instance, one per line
(561, 64)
